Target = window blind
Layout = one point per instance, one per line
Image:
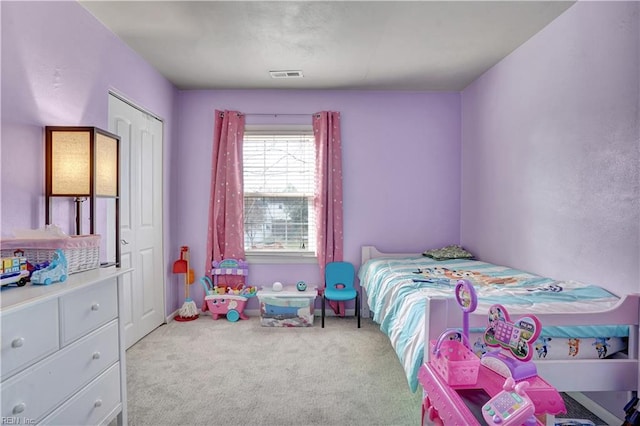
(279, 182)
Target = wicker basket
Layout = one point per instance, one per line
(82, 251)
(455, 363)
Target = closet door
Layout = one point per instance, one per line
(141, 221)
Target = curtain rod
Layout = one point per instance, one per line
(274, 114)
(315, 114)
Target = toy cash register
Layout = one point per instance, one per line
(515, 337)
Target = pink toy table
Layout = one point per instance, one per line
(442, 401)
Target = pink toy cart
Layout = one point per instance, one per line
(222, 299)
(230, 305)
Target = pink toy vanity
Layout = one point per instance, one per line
(502, 388)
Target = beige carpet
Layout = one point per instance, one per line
(208, 372)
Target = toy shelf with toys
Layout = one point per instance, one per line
(227, 297)
(501, 388)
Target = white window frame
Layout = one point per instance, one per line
(275, 257)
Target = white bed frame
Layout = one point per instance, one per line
(620, 372)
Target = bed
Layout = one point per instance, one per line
(411, 297)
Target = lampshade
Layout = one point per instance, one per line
(82, 161)
(70, 155)
(106, 165)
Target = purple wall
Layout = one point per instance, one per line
(58, 65)
(550, 151)
(401, 153)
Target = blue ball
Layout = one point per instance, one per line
(301, 286)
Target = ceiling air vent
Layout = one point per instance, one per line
(286, 74)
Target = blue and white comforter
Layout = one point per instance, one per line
(397, 290)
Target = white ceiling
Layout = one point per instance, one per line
(372, 45)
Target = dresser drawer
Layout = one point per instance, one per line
(41, 388)
(82, 311)
(93, 404)
(28, 335)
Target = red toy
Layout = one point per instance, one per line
(189, 309)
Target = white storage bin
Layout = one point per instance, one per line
(287, 308)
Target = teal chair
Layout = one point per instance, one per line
(339, 279)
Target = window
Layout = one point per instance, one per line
(279, 182)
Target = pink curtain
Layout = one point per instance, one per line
(225, 239)
(328, 194)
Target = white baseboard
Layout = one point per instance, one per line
(171, 316)
(316, 313)
(256, 313)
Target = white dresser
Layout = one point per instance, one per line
(63, 353)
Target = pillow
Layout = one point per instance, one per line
(448, 252)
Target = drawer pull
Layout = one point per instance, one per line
(95, 306)
(19, 408)
(98, 403)
(17, 342)
(96, 355)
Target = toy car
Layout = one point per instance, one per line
(56, 271)
(13, 270)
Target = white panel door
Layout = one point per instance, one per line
(140, 217)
